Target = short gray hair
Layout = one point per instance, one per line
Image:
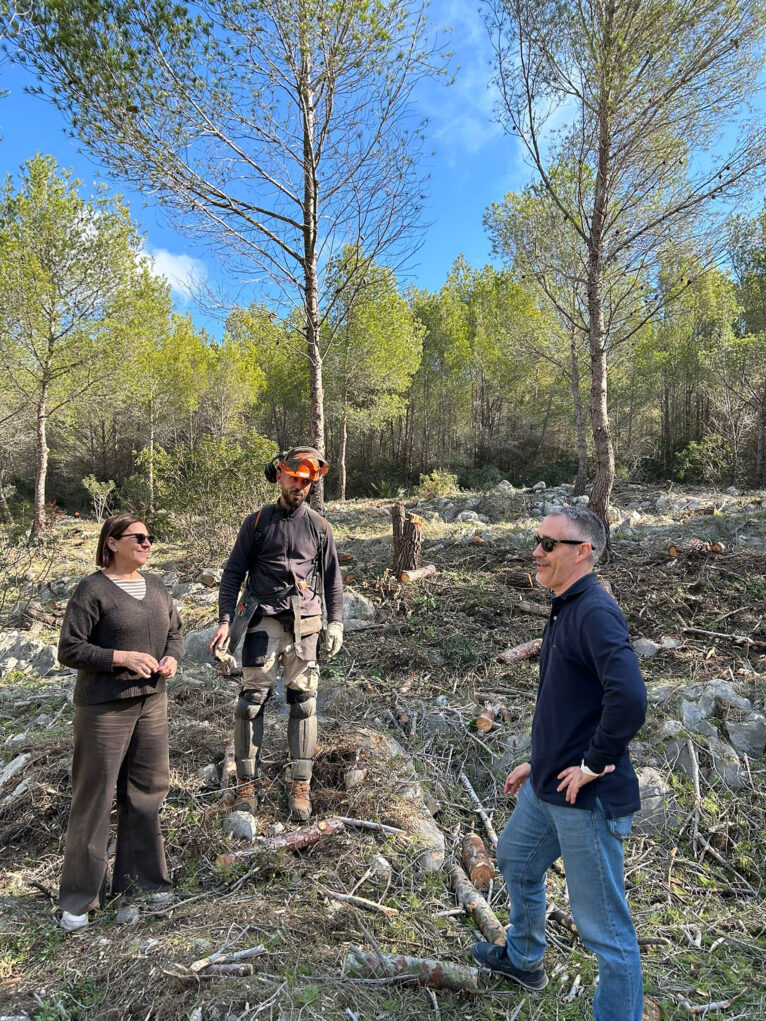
(590, 527)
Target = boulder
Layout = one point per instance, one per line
(467, 515)
(749, 736)
(726, 763)
(196, 645)
(241, 826)
(210, 577)
(20, 651)
(659, 808)
(645, 648)
(358, 610)
(538, 487)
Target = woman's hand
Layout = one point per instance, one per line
(168, 667)
(140, 663)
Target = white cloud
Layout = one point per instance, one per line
(182, 272)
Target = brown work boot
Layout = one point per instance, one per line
(299, 800)
(246, 792)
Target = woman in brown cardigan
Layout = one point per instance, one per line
(123, 634)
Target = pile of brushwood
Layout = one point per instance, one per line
(326, 923)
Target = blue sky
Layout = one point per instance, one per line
(474, 164)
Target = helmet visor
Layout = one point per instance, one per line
(310, 468)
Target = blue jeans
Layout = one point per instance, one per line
(591, 847)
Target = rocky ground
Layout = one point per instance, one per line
(397, 729)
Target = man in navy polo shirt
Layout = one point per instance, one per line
(582, 790)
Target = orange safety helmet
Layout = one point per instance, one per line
(304, 463)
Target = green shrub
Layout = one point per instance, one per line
(439, 483)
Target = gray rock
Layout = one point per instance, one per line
(749, 736)
(472, 502)
(517, 745)
(505, 487)
(209, 775)
(276, 828)
(20, 651)
(187, 589)
(13, 767)
(196, 645)
(468, 515)
(450, 512)
(436, 723)
(482, 518)
(613, 515)
(723, 691)
(210, 577)
(659, 808)
(128, 915)
(538, 486)
(733, 491)
(671, 728)
(358, 610)
(441, 700)
(679, 758)
(552, 507)
(670, 643)
(580, 501)
(241, 826)
(726, 763)
(645, 648)
(692, 713)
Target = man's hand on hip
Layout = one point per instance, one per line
(516, 778)
(220, 638)
(572, 779)
(334, 638)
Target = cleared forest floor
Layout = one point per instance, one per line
(420, 674)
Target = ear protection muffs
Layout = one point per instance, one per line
(270, 470)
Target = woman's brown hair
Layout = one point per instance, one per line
(112, 528)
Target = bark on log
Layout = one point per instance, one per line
(476, 861)
(435, 974)
(487, 718)
(232, 970)
(689, 547)
(294, 841)
(534, 609)
(229, 767)
(476, 906)
(426, 571)
(526, 651)
(358, 902)
(408, 539)
(222, 957)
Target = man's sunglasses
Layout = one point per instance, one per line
(549, 545)
(140, 537)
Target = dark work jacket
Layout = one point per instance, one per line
(288, 555)
(591, 700)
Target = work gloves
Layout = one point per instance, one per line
(334, 638)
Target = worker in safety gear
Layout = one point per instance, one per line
(287, 552)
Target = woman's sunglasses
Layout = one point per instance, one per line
(549, 545)
(140, 537)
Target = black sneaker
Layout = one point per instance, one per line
(495, 957)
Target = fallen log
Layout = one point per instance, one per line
(426, 571)
(689, 547)
(366, 824)
(476, 861)
(487, 718)
(476, 906)
(294, 841)
(479, 808)
(534, 609)
(231, 970)
(435, 974)
(737, 639)
(528, 650)
(221, 957)
(358, 902)
(229, 766)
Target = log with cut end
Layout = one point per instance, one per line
(528, 650)
(476, 906)
(435, 974)
(229, 767)
(426, 571)
(487, 718)
(476, 861)
(294, 841)
(534, 609)
(689, 547)
(408, 539)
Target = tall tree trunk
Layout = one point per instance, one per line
(151, 457)
(760, 456)
(41, 469)
(310, 275)
(597, 338)
(582, 439)
(342, 457)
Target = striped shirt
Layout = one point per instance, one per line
(136, 588)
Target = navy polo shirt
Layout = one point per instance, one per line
(591, 700)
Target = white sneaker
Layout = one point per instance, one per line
(72, 922)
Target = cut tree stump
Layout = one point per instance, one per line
(408, 539)
(435, 974)
(487, 718)
(688, 547)
(426, 571)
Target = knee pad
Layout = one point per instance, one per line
(303, 704)
(252, 702)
